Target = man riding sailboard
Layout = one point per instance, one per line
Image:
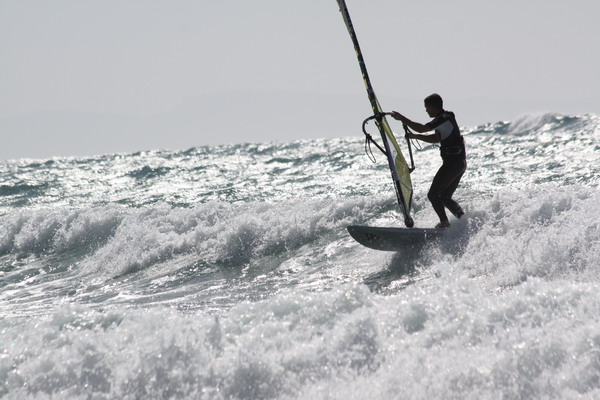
(452, 150)
(447, 178)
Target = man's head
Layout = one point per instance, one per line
(434, 105)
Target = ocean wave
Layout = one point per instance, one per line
(118, 240)
(46, 231)
(536, 123)
(507, 238)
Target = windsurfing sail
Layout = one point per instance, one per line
(396, 161)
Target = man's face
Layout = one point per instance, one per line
(432, 111)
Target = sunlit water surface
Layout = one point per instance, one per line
(226, 272)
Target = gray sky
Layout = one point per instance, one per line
(83, 77)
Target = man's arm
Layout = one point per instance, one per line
(411, 124)
(433, 138)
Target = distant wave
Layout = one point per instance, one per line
(542, 122)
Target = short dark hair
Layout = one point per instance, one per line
(434, 100)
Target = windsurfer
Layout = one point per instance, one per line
(452, 150)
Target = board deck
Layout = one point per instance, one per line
(393, 239)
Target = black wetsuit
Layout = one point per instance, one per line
(446, 180)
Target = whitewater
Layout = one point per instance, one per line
(226, 272)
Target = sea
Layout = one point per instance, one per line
(226, 272)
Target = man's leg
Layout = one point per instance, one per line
(454, 208)
(443, 186)
(434, 195)
(450, 204)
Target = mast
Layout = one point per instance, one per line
(398, 166)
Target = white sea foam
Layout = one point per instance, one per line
(452, 340)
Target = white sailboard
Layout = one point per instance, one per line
(393, 239)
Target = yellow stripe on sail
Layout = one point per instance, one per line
(401, 166)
